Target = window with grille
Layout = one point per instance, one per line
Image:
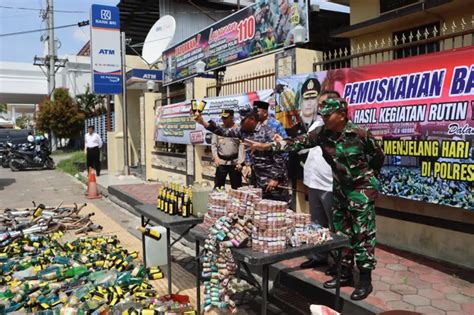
(411, 36)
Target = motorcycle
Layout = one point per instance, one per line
(29, 159)
(6, 153)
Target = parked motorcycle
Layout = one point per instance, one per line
(6, 153)
(30, 158)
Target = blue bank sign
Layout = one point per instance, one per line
(106, 61)
(145, 74)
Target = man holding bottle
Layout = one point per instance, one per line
(228, 154)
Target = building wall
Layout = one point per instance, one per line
(76, 75)
(115, 148)
(440, 244)
(363, 10)
(265, 63)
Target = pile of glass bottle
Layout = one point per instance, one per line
(175, 199)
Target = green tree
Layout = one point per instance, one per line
(23, 121)
(90, 103)
(62, 116)
(3, 108)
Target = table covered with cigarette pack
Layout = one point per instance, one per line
(241, 228)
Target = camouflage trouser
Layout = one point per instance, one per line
(354, 217)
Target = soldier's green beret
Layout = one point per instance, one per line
(332, 105)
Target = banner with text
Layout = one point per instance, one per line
(421, 110)
(174, 122)
(255, 30)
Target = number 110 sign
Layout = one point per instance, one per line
(246, 29)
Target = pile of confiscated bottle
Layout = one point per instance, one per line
(42, 219)
(46, 272)
(175, 199)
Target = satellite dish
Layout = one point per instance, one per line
(158, 38)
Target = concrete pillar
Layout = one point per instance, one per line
(200, 85)
(149, 133)
(13, 115)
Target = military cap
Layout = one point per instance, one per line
(261, 104)
(227, 113)
(332, 105)
(311, 88)
(247, 111)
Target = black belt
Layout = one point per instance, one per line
(228, 157)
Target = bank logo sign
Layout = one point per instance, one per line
(106, 61)
(106, 14)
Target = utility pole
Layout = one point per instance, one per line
(51, 49)
(50, 62)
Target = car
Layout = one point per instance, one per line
(15, 136)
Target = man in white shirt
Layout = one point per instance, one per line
(92, 149)
(318, 179)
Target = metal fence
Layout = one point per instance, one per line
(99, 122)
(418, 41)
(242, 84)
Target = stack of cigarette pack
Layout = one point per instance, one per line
(269, 233)
(301, 220)
(242, 201)
(218, 262)
(302, 231)
(216, 208)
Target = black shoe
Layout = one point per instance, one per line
(364, 287)
(345, 282)
(331, 271)
(312, 263)
(346, 279)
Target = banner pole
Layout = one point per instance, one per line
(126, 169)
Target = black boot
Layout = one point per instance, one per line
(364, 287)
(346, 279)
(331, 271)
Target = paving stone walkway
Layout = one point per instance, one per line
(146, 193)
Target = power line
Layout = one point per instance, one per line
(35, 9)
(80, 24)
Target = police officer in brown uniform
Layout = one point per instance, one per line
(228, 154)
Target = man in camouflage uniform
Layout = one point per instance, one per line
(269, 169)
(356, 160)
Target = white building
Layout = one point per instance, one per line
(24, 85)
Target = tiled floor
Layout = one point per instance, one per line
(146, 193)
(407, 283)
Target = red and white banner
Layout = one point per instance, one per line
(421, 109)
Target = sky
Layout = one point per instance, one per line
(23, 48)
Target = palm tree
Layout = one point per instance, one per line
(90, 103)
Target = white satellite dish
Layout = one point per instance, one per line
(158, 38)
